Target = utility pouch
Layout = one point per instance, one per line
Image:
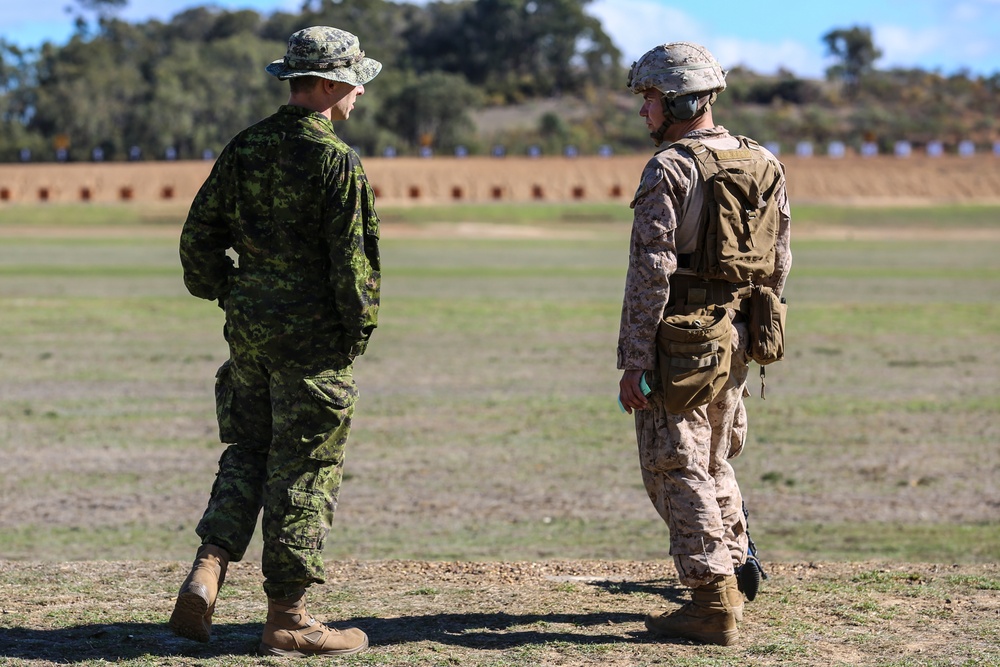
(766, 325)
(694, 351)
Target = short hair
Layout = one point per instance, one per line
(302, 84)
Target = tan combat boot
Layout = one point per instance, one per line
(707, 618)
(291, 631)
(192, 616)
(735, 597)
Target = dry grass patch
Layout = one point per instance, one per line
(511, 613)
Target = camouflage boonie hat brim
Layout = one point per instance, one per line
(328, 53)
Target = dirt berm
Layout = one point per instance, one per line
(918, 179)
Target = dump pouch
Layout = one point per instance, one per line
(694, 352)
(766, 325)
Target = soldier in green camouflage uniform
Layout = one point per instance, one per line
(291, 201)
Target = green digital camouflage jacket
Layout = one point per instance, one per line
(291, 201)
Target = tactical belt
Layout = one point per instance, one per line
(694, 291)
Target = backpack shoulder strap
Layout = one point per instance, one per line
(693, 146)
(702, 154)
(712, 160)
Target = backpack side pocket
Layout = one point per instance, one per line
(766, 326)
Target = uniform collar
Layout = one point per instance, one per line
(302, 112)
(707, 133)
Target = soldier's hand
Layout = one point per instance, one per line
(629, 392)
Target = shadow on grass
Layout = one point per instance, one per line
(499, 631)
(480, 631)
(488, 631)
(122, 641)
(658, 588)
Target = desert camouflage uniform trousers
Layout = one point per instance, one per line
(687, 475)
(288, 424)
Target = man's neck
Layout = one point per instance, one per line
(680, 130)
(312, 103)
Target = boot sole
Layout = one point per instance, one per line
(723, 638)
(265, 650)
(718, 639)
(188, 618)
(749, 577)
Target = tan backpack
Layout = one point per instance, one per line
(739, 223)
(737, 237)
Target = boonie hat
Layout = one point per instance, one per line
(325, 52)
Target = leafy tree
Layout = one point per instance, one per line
(16, 101)
(744, 86)
(192, 82)
(856, 51)
(517, 48)
(552, 125)
(432, 110)
(195, 107)
(380, 25)
(192, 25)
(90, 92)
(103, 10)
(15, 71)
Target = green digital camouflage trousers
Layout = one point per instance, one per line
(687, 475)
(288, 424)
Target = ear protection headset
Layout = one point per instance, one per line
(682, 107)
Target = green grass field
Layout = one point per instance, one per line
(488, 428)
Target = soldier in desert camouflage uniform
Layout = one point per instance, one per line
(684, 457)
(291, 200)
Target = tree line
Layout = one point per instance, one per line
(184, 87)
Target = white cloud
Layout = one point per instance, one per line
(965, 41)
(972, 34)
(636, 26)
(952, 35)
(769, 57)
(901, 45)
(966, 11)
(970, 11)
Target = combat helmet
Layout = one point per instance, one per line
(683, 73)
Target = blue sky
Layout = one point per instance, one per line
(942, 35)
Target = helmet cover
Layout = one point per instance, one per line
(677, 69)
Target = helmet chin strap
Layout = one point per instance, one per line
(670, 119)
(657, 135)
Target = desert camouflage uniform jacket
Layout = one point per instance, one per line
(667, 208)
(292, 200)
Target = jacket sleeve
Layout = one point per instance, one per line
(652, 260)
(352, 231)
(206, 236)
